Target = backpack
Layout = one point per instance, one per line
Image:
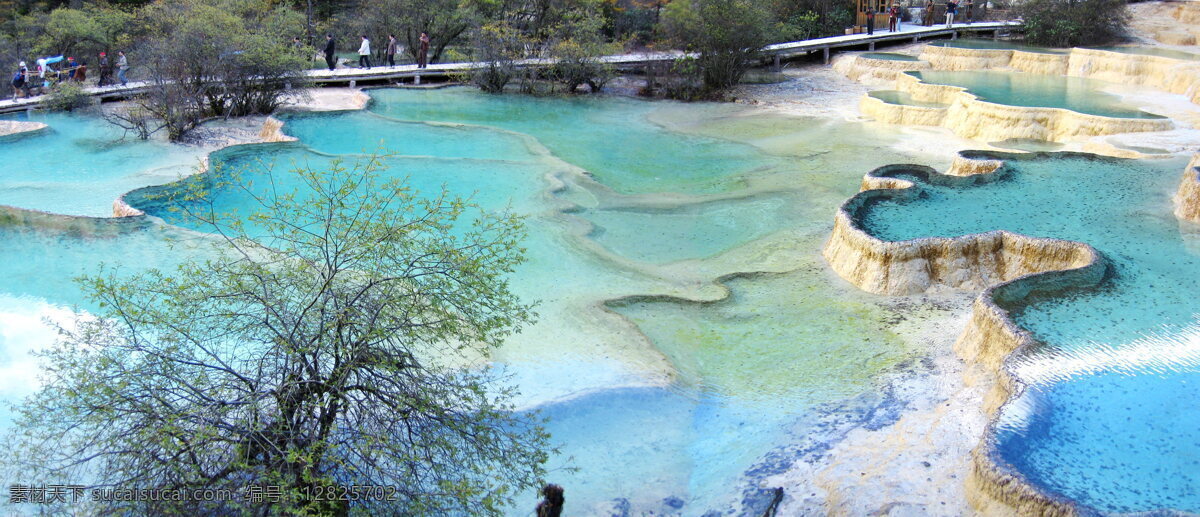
(18, 79)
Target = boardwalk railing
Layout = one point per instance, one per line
(775, 53)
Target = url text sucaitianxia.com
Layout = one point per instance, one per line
(70, 493)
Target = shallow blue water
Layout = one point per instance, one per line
(989, 44)
(1109, 418)
(903, 99)
(611, 138)
(697, 231)
(889, 56)
(1035, 90)
(79, 165)
(693, 440)
(752, 373)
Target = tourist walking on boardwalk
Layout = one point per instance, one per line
(20, 81)
(928, 14)
(970, 11)
(72, 66)
(423, 51)
(894, 18)
(122, 68)
(105, 71)
(364, 53)
(80, 74)
(330, 52)
(951, 10)
(47, 72)
(391, 50)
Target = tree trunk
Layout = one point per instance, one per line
(308, 21)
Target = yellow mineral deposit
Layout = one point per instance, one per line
(1187, 198)
(1187, 12)
(954, 58)
(901, 114)
(272, 131)
(969, 117)
(867, 70)
(16, 127)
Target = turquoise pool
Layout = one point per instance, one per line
(692, 342)
(641, 215)
(993, 44)
(889, 56)
(79, 165)
(1108, 419)
(1038, 91)
(903, 99)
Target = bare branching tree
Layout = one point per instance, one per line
(134, 119)
(329, 344)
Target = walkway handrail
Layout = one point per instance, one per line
(353, 75)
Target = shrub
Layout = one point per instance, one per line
(726, 36)
(1073, 23)
(68, 97)
(498, 45)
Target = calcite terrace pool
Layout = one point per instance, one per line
(1115, 352)
(691, 341)
(994, 90)
(695, 349)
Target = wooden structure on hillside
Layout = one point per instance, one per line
(876, 8)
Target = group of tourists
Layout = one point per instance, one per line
(364, 51)
(45, 75)
(952, 8)
(894, 14)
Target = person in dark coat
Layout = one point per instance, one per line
(391, 50)
(105, 71)
(330, 52)
(928, 14)
(20, 81)
(423, 51)
(552, 502)
(951, 10)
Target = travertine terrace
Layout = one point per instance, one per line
(16, 127)
(969, 117)
(1187, 199)
(1006, 266)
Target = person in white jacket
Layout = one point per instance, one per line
(364, 53)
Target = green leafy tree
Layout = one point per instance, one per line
(85, 31)
(1073, 23)
(576, 45)
(806, 19)
(328, 341)
(727, 37)
(498, 46)
(565, 37)
(223, 58)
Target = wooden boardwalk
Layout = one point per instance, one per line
(628, 62)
